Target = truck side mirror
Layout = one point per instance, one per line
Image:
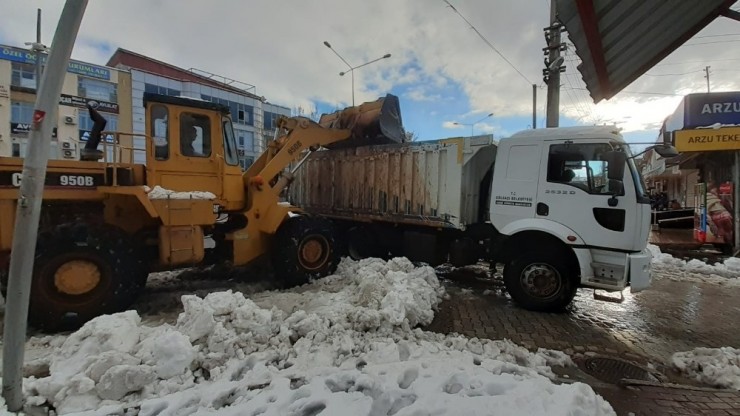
(666, 150)
(616, 161)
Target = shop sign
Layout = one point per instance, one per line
(25, 128)
(703, 140)
(75, 101)
(4, 93)
(706, 109)
(76, 67)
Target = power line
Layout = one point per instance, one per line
(642, 92)
(487, 42)
(698, 62)
(674, 75)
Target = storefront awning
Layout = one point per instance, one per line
(619, 40)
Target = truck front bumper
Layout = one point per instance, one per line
(640, 277)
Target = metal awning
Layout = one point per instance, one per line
(619, 40)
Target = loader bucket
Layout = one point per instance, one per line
(376, 122)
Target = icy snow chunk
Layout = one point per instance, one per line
(161, 193)
(196, 321)
(168, 351)
(121, 380)
(715, 366)
(109, 359)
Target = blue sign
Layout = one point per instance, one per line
(76, 67)
(710, 108)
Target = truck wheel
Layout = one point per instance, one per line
(75, 280)
(539, 281)
(304, 248)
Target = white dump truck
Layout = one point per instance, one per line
(560, 208)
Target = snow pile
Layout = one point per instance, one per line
(160, 193)
(718, 367)
(694, 270)
(345, 344)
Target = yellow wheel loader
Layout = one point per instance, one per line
(106, 225)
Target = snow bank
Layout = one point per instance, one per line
(718, 367)
(160, 193)
(346, 344)
(694, 270)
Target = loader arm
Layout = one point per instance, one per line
(376, 122)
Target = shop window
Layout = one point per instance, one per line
(97, 90)
(23, 75)
(195, 135)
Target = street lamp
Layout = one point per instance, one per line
(472, 125)
(352, 69)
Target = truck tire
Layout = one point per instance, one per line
(304, 248)
(540, 281)
(75, 279)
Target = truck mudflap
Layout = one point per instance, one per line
(372, 123)
(640, 277)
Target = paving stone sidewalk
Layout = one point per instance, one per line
(647, 329)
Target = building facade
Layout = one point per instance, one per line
(253, 117)
(705, 128)
(106, 89)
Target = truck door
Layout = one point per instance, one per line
(574, 191)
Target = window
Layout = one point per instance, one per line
(21, 112)
(270, 120)
(195, 135)
(85, 122)
(159, 132)
(247, 162)
(16, 150)
(581, 166)
(267, 138)
(24, 75)
(156, 89)
(97, 90)
(240, 113)
(246, 140)
(232, 158)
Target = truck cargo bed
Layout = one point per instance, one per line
(443, 183)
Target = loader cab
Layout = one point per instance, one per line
(191, 147)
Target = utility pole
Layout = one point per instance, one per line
(554, 67)
(534, 106)
(706, 70)
(29, 202)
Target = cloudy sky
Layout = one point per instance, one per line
(440, 68)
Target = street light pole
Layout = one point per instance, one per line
(472, 126)
(352, 69)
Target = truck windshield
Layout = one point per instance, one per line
(640, 188)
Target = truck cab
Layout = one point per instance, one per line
(564, 204)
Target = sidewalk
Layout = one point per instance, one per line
(654, 400)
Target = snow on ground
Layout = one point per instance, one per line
(346, 344)
(160, 193)
(718, 367)
(669, 267)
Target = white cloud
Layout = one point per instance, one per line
(282, 53)
(451, 125)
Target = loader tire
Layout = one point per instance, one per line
(77, 277)
(304, 248)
